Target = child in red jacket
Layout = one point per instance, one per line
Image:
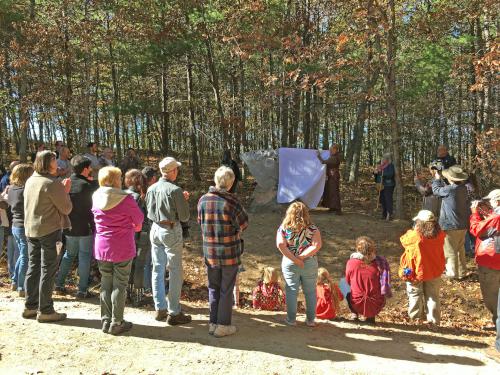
(328, 296)
(268, 294)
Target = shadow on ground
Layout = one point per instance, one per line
(266, 333)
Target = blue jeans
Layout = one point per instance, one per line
(81, 247)
(22, 261)
(12, 255)
(294, 277)
(166, 251)
(148, 271)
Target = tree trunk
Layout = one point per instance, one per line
(194, 146)
(165, 115)
(116, 104)
(307, 119)
(214, 81)
(390, 78)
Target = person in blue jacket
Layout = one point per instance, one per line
(385, 179)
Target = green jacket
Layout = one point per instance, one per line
(165, 201)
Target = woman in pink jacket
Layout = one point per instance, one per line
(117, 217)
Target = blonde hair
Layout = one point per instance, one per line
(110, 177)
(20, 174)
(325, 278)
(296, 217)
(269, 275)
(366, 246)
(224, 178)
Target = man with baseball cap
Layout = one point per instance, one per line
(167, 206)
(453, 218)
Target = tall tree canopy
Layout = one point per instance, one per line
(192, 77)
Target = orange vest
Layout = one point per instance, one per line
(426, 255)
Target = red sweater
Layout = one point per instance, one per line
(364, 280)
(485, 255)
(324, 301)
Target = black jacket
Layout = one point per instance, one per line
(15, 198)
(82, 219)
(448, 161)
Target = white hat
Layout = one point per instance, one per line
(168, 164)
(494, 195)
(425, 215)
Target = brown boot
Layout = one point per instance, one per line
(117, 329)
(29, 314)
(180, 318)
(161, 315)
(47, 318)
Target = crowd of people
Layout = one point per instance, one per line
(130, 221)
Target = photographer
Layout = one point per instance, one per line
(453, 217)
(444, 157)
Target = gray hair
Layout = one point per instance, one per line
(387, 156)
(224, 178)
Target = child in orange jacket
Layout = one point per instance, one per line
(328, 296)
(422, 265)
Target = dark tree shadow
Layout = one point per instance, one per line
(268, 334)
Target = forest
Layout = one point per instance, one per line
(192, 77)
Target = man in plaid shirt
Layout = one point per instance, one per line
(222, 219)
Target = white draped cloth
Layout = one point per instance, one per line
(301, 176)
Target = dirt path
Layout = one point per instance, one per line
(263, 345)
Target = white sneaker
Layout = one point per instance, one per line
(211, 328)
(222, 331)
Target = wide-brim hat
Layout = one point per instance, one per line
(168, 164)
(455, 173)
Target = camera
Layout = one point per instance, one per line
(436, 165)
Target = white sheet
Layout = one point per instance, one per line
(301, 176)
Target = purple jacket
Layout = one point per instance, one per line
(117, 217)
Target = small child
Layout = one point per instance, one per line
(422, 265)
(328, 295)
(268, 294)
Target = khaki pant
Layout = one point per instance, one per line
(423, 300)
(489, 281)
(454, 253)
(114, 279)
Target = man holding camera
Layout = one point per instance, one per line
(444, 158)
(453, 218)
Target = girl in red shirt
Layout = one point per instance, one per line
(268, 294)
(328, 295)
(363, 276)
